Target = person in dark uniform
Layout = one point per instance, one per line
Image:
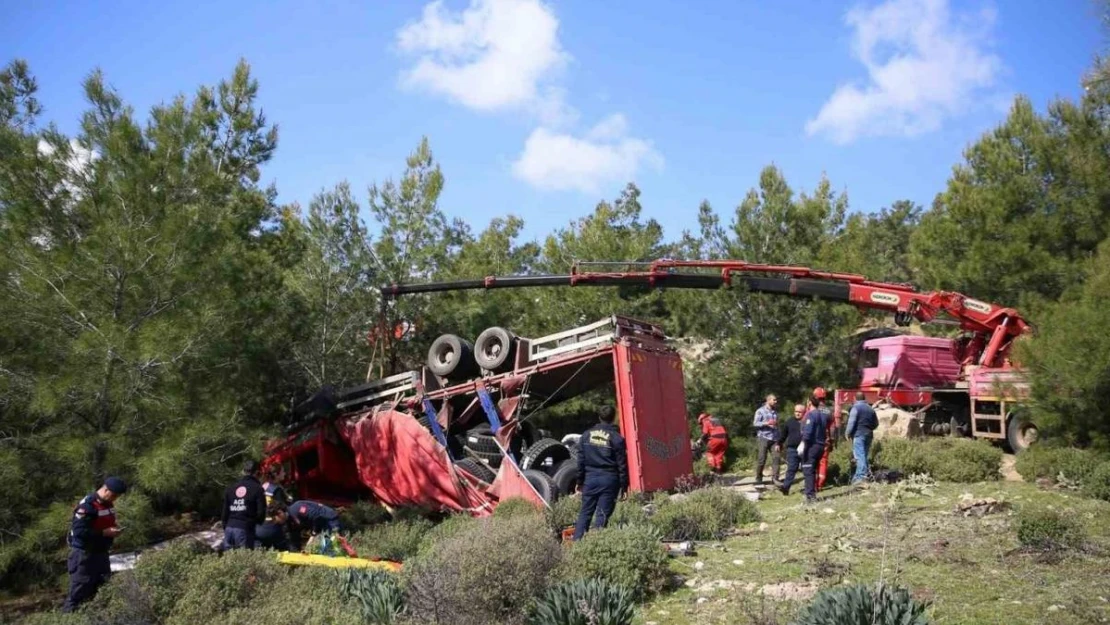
(91, 534)
(244, 508)
(790, 436)
(274, 489)
(602, 470)
(312, 516)
(815, 429)
(273, 534)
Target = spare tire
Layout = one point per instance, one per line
(495, 349)
(543, 484)
(545, 455)
(477, 469)
(566, 476)
(452, 357)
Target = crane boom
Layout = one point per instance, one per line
(994, 327)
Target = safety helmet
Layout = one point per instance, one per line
(819, 393)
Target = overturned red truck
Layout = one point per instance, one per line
(453, 436)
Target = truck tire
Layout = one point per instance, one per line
(545, 455)
(480, 439)
(1021, 433)
(452, 357)
(566, 476)
(492, 459)
(543, 484)
(477, 469)
(495, 349)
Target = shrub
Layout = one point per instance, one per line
(134, 512)
(863, 603)
(361, 515)
(56, 617)
(840, 468)
(217, 585)
(377, 594)
(585, 602)
(39, 555)
(629, 511)
(564, 513)
(1097, 484)
(1043, 528)
(300, 595)
(150, 591)
(704, 515)
(515, 506)
(1074, 465)
(693, 481)
(944, 459)
(395, 541)
(487, 572)
(627, 556)
(446, 529)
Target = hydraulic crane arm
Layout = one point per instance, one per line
(994, 327)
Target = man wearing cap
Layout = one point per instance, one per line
(814, 436)
(91, 533)
(244, 509)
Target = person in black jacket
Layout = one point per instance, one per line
(244, 508)
(273, 534)
(790, 436)
(602, 470)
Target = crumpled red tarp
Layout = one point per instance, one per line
(405, 466)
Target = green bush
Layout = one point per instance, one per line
(149, 592)
(1097, 484)
(516, 506)
(217, 585)
(361, 515)
(377, 594)
(1046, 529)
(944, 459)
(38, 556)
(56, 617)
(299, 595)
(564, 513)
(585, 602)
(631, 557)
(395, 541)
(1074, 465)
(704, 515)
(444, 530)
(487, 572)
(629, 511)
(135, 513)
(840, 467)
(863, 603)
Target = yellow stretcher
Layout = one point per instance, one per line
(304, 559)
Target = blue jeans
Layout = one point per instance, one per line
(238, 538)
(599, 494)
(792, 462)
(861, 447)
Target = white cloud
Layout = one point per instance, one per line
(606, 154)
(923, 66)
(496, 55)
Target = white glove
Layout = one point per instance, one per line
(801, 449)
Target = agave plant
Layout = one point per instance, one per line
(585, 602)
(864, 604)
(377, 594)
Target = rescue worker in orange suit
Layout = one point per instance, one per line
(830, 436)
(714, 437)
(602, 471)
(91, 533)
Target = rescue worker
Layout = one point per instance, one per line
(766, 433)
(312, 516)
(815, 431)
(830, 436)
(91, 534)
(244, 509)
(273, 534)
(274, 490)
(714, 437)
(862, 422)
(602, 470)
(790, 436)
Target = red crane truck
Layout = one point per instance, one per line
(967, 386)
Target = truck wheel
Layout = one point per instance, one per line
(493, 460)
(543, 484)
(545, 455)
(452, 357)
(1021, 433)
(477, 469)
(495, 349)
(566, 476)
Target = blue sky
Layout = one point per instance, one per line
(541, 109)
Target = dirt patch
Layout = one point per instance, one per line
(790, 591)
